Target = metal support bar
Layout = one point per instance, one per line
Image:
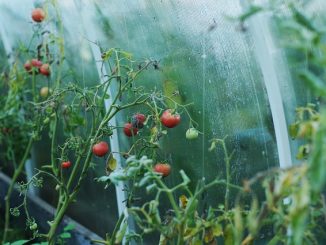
(114, 141)
(264, 47)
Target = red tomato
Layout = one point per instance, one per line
(162, 168)
(100, 149)
(28, 66)
(36, 63)
(130, 130)
(170, 120)
(45, 70)
(66, 164)
(138, 120)
(38, 15)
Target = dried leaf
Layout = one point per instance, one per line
(111, 164)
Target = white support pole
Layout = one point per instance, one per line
(264, 47)
(114, 141)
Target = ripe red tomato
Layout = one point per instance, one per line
(162, 168)
(100, 149)
(45, 70)
(170, 120)
(138, 120)
(38, 15)
(36, 63)
(130, 130)
(66, 164)
(28, 66)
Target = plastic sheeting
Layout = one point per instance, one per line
(212, 63)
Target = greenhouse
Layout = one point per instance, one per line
(163, 122)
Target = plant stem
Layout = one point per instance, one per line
(17, 173)
(53, 144)
(227, 160)
(56, 222)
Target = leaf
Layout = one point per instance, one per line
(69, 227)
(275, 240)
(121, 233)
(126, 55)
(303, 20)
(302, 152)
(111, 164)
(209, 236)
(171, 91)
(65, 235)
(20, 242)
(293, 130)
(217, 230)
(184, 177)
(250, 12)
(317, 169)
(228, 235)
(103, 179)
(183, 200)
(314, 82)
(106, 55)
(213, 146)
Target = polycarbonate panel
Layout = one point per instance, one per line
(214, 66)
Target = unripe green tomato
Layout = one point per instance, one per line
(44, 92)
(46, 120)
(33, 227)
(192, 133)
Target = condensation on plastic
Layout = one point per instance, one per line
(211, 60)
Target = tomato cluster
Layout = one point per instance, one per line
(37, 66)
(169, 119)
(137, 122)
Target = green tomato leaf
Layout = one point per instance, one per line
(65, 235)
(20, 242)
(69, 227)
